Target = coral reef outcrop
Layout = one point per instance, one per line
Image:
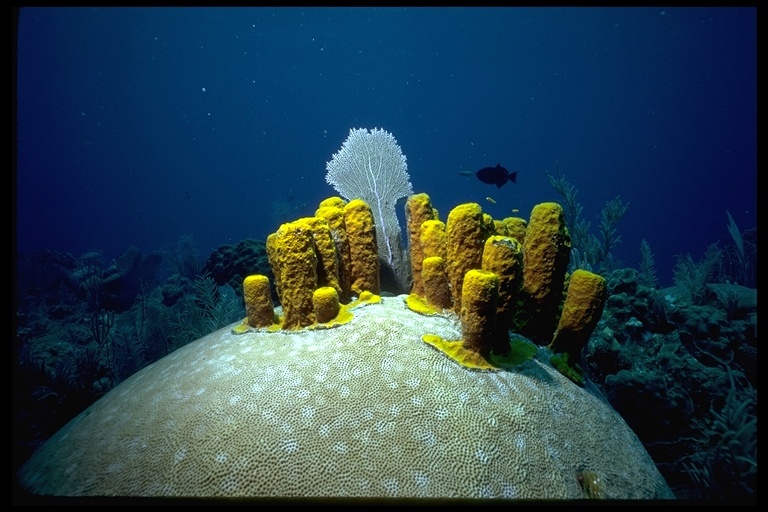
(280, 406)
(363, 411)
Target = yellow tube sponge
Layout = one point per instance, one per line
(326, 304)
(325, 249)
(455, 350)
(333, 213)
(418, 209)
(437, 290)
(259, 309)
(434, 240)
(499, 228)
(516, 227)
(364, 256)
(503, 256)
(546, 252)
(466, 233)
(582, 309)
(479, 300)
(489, 224)
(335, 202)
(297, 267)
(273, 256)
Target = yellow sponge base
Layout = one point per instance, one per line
(421, 306)
(455, 350)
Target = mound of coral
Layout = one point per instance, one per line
(340, 393)
(365, 409)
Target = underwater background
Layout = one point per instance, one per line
(158, 147)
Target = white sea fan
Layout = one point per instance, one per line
(371, 166)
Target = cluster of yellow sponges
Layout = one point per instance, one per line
(319, 264)
(500, 275)
(496, 275)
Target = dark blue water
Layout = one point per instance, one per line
(136, 126)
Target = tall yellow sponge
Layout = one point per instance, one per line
(297, 268)
(503, 255)
(546, 253)
(273, 256)
(466, 232)
(499, 228)
(437, 290)
(334, 201)
(364, 255)
(418, 209)
(582, 309)
(434, 240)
(332, 210)
(258, 301)
(325, 249)
(516, 227)
(479, 300)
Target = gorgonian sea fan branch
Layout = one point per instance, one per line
(371, 166)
